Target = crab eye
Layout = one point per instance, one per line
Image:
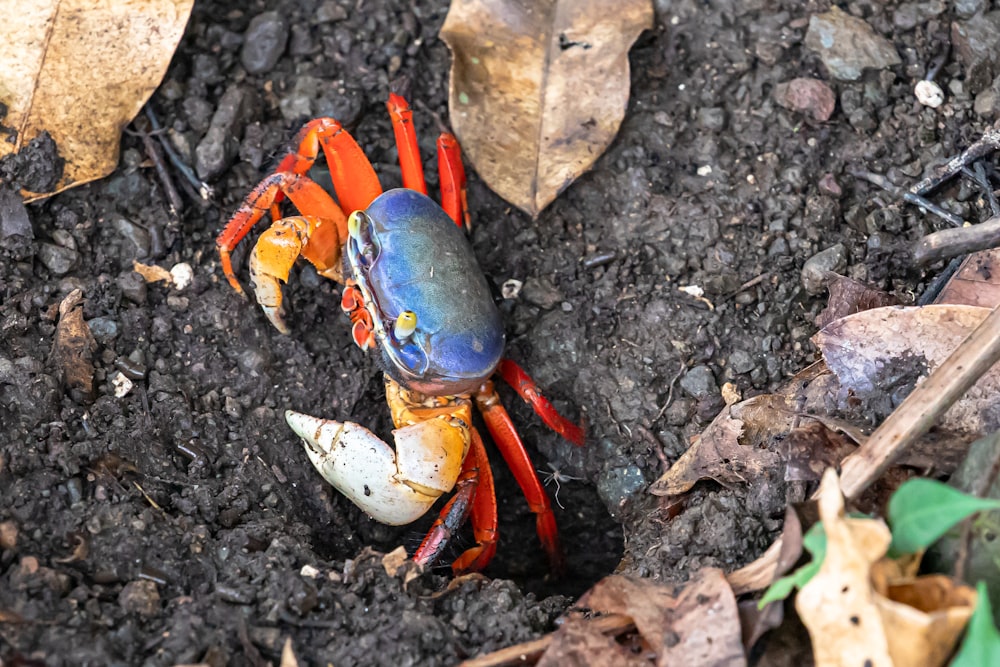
(354, 225)
(406, 324)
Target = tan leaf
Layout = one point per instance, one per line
(81, 70)
(838, 605)
(856, 614)
(539, 88)
(977, 281)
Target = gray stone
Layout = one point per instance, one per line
(57, 259)
(977, 45)
(817, 269)
(14, 220)
(847, 45)
(699, 382)
(264, 42)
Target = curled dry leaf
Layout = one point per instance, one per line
(539, 88)
(697, 625)
(80, 71)
(73, 348)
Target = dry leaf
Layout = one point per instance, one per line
(879, 355)
(774, 563)
(81, 70)
(977, 281)
(73, 348)
(717, 454)
(697, 626)
(151, 273)
(288, 658)
(838, 604)
(539, 88)
(854, 612)
(849, 296)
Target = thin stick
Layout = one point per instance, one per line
(953, 242)
(925, 404)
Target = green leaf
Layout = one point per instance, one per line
(814, 542)
(981, 645)
(922, 510)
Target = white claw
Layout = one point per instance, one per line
(394, 487)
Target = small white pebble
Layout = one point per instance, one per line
(182, 274)
(511, 288)
(692, 290)
(929, 94)
(705, 171)
(309, 571)
(122, 385)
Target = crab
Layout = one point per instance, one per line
(415, 294)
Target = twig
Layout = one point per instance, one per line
(530, 652)
(907, 196)
(989, 143)
(948, 243)
(174, 200)
(925, 404)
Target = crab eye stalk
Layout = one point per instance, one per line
(354, 225)
(406, 324)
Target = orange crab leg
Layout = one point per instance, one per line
(509, 443)
(526, 388)
(353, 176)
(406, 143)
(452, 175)
(474, 495)
(307, 196)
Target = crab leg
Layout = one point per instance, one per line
(452, 175)
(406, 143)
(526, 388)
(475, 494)
(509, 442)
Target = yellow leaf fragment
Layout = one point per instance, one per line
(152, 273)
(858, 611)
(539, 88)
(81, 70)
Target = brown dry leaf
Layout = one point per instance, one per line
(977, 281)
(539, 88)
(288, 658)
(697, 626)
(879, 355)
(849, 296)
(717, 454)
(81, 70)
(74, 346)
(859, 612)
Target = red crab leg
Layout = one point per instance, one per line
(509, 443)
(307, 196)
(452, 175)
(475, 494)
(406, 143)
(522, 383)
(353, 176)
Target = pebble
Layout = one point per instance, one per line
(57, 259)
(104, 329)
(741, 361)
(140, 597)
(929, 94)
(976, 42)
(811, 97)
(699, 382)
(217, 149)
(14, 220)
(618, 485)
(264, 42)
(816, 270)
(847, 45)
(133, 287)
(134, 233)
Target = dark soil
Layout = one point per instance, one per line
(182, 523)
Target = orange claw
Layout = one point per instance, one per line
(406, 143)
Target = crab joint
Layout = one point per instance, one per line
(406, 324)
